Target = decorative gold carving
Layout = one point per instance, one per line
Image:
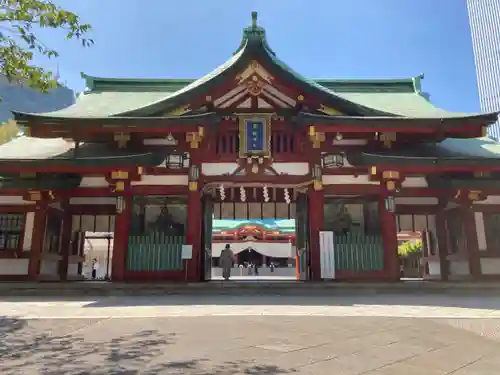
(390, 185)
(317, 185)
(300, 98)
(474, 195)
(390, 175)
(51, 195)
(193, 185)
(387, 139)
(316, 137)
(119, 175)
(122, 139)
(254, 68)
(180, 111)
(194, 138)
(34, 195)
(140, 170)
(329, 111)
(255, 86)
(120, 186)
(373, 170)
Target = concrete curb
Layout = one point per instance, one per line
(101, 289)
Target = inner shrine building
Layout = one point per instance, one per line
(151, 162)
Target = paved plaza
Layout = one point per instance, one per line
(253, 335)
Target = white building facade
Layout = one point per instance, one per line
(484, 18)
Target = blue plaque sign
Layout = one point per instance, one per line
(255, 131)
(254, 135)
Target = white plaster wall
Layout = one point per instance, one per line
(28, 231)
(93, 182)
(217, 169)
(492, 199)
(93, 200)
(73, 271)
(49, 265)
(162, 180)
(293, 169)
(434, 268)
(481, 233)
(490, 266)
(416, 200)
(347, 180)
(14, 266)
(8, 199)
(459, 267)
(414, 182)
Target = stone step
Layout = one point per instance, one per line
(75, 289)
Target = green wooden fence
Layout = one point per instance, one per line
(155, 251)
(358, 252)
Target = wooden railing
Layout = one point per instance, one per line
(154, 251)
(358, 252)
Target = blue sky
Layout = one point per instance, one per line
(317, 38)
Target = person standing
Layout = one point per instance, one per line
(226, 261)
(94, 268)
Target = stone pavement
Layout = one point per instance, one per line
(218, 335)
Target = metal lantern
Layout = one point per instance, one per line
(194, 173)
(333, 160)
(120, 204)
(390, 204)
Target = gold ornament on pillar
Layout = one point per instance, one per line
(194, 176)
(317, 175)
(315, 137)
(195, 138)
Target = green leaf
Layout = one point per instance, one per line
(19, 42)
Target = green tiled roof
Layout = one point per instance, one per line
(37, 152)
(41, 182)
(145, 97)
(451, 151)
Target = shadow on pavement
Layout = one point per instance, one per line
(23, 350)
(369, 299)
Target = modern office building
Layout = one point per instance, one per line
(484, 18)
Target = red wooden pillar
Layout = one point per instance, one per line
(390, 240)
(65, 243)
(193, 234)
(316, 217)
(120, 240)
(472, 244)
(442, 238)
(37, 238)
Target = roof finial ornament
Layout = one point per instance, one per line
(254, 20)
